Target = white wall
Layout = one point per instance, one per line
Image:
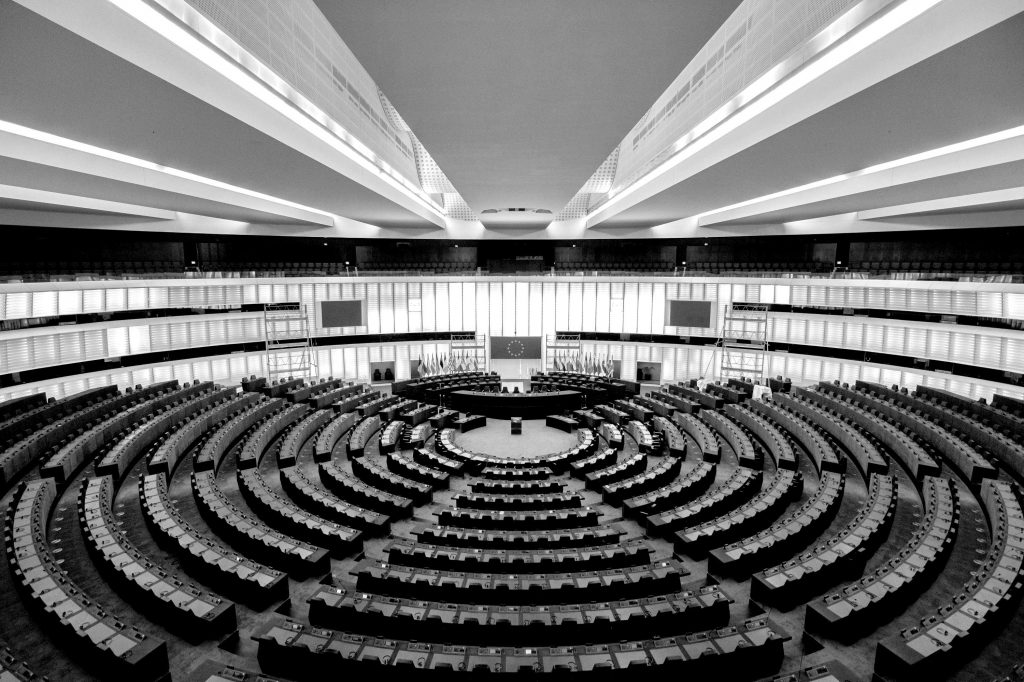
(510, 306)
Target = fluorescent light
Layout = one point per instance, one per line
(240, 67)
(767, 91)
(75, 145)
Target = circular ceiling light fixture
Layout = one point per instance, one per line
(536, 211)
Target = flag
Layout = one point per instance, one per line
(421, 369)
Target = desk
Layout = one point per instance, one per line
(517, 425)
(470, 422)
(525, 405)
(443, 418)
(564, 423)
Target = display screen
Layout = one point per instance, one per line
(689, 313)
(515, 347)
(343, 313)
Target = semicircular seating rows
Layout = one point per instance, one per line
(292, 530)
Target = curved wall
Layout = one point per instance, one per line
(511, 306)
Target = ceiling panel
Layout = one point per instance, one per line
(53, 80)
(969, 90)
(520, 101)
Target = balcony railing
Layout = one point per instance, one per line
(1015, 277)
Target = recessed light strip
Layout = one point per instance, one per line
(770, 89)
(962, 146)
(219, 51)
(82, 147)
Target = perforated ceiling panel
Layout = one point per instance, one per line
(756, 37)
(595, 188)
(431, 178)
(297, 43)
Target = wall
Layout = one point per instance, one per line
(523, 306)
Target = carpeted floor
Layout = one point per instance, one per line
(496, 439)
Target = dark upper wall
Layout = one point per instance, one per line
(997, 245)
(41, 249)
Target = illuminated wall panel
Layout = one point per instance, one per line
(550, 323)
(469, 307)
(562, 306)
(373, 322)
(658, 309)
(575, 304)
(616, 306)
(455, 307)
(401, 303)
(482, 292)
(536, 310)
(429, 301)
(629, 307)
(644, 313)
(415, 306)
(442, 309)
(494, 302)
(508, 308)
(511, 306)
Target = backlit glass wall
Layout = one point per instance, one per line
(513, 306)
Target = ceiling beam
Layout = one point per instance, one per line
(863, 59)
(988, 151)
(62, 201)
(39, 147)
(136, 31)
(958, 204)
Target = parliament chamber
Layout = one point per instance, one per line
(286, 396)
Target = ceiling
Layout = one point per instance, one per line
(55, 81)
(519, 102)
(974, 88)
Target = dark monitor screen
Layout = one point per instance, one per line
(343, 313)
(689, 313)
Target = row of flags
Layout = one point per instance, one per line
(567, 361)
(587, 363)
(434, 365)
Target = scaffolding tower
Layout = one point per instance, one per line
(289, 348)
(470, 347)
(561, 345)
(744, 341)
